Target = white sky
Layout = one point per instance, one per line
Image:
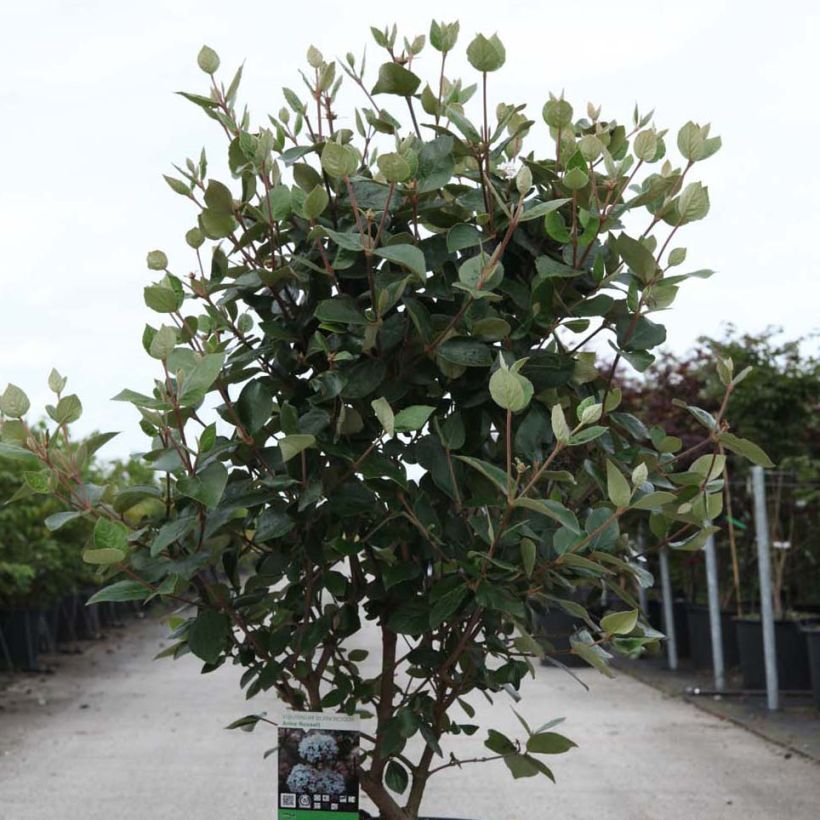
(89, 124)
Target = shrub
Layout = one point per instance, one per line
(376, 388)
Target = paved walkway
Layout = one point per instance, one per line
(113, 736)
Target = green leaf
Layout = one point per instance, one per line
(709, 466)
(584, 647)
(510, 390)
(315, 202)
(557, 113)
(575, 179)
(523, 766)
(290, 446)
(466, 352)
(747, 449)
(408, 256)
(637, 256)
(162, 299)
(644, 335)
(273, 524)
(119, 592)
(215, 226)
(338, 160)
(208, 60)
(56, 382)
(696, 542)
(445, 606)
(57, 520)
(586, 435)
(209, 635)
(617, 487)
(218, 198)
(384, 413)
(278, 204)
(693, 203)
(443, 36)
(528, 555)
(255, 406)
(413, 418)
(340, 310)
(620, 623)
(559, 424)
(394, 167)
(463, 236)
(171, 532)
(477, 273)
(552, 509)
(110, 535)
(490, 471)
(396, 777)
(156, 260)
(652, 501)
(691, 142)
(549, 743)
(164, 341)
(395, 79)
(68, 410)
(207, 486)
(103, 556)
(491, 329)
(14, 402)
(498, 743)
(645, 145)
(540, 209)
(201, 378)
(549, 268)
(486, 53)
(37, 480)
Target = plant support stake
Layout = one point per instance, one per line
(714, 614)
(764, 567)
(668, 615)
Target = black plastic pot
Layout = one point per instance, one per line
(20, 639)
(363, 815)
(49, 620)
(700, 637)
(680, 615)
(556, 626)
(792, 654)
(77, 622)
(812, 634)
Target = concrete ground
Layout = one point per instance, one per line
(113, 735)
(795, 725)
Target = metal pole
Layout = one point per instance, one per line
(668, 615)
(764, 568)
(714, 614)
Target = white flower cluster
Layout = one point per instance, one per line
(304, 779)
(318, 748)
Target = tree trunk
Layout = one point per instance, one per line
(389, 809)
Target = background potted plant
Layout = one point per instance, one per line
(44, 582)
(377, 411)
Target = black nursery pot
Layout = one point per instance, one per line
(363, 815)
(792, 654)
(21, 634)
(700, 637)
(680, 615)
(556, 626)
(812, 634)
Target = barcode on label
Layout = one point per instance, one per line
(287, 801)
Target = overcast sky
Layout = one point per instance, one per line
(90, 122)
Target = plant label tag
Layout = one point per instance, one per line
(318, 759)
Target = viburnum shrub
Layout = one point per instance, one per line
(376, 406)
